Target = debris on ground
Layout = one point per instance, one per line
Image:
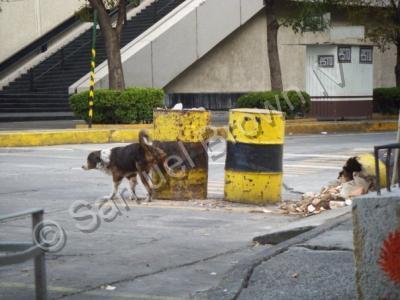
(353, 181)
(108, 287)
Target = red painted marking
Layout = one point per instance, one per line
(389, 259)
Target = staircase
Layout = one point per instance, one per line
(42, 93)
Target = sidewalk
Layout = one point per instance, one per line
(317, 264)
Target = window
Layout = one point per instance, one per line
(344, 54)
(326, 61)
(366, 55)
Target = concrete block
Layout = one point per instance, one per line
(376, 229)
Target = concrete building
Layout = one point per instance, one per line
(200, 58)
(208, 53)
(23, 21)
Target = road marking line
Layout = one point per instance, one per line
(314, 167)
(315, 155)
(38, 155)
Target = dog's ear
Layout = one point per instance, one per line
(353, 165)
(144, 138)
(92, 160)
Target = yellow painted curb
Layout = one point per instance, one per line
(340, 127)
(56, 137)
(130, 134)
(60, 137)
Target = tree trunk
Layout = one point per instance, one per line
(273, 51)
(397, 68)
(112, 42)
(115, 71)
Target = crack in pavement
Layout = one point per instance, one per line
(248, 266)
(324, 248)
(162, 270)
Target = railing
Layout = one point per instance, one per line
(39, 45)
(63, 57)
(143, 37)
(18, 252)
(389, 149)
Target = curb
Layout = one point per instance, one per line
(72, 136)
(230, 286)
(101, 134)
(340, 127)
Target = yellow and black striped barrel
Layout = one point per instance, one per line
(253, 168)
(180, 134)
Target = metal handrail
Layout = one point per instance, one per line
(64, 58)
(389, 148)
(38, 44)
(112, 13)
(21, 252)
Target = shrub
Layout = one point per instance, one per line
(386, 100)
(292, 103)
(133, 105)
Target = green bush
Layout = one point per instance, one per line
(292, 103)
(387, 100)
(133, 105)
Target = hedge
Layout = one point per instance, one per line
(133, 105)
(387, 100)
(292, 103)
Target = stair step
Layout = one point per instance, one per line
(51, 79)
(42, 116)
(54, 104)
(33, 109)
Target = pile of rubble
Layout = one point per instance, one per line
(353, 181)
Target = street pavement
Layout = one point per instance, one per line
(170, 250)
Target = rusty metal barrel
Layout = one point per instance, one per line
(253, 168)
(181, 134)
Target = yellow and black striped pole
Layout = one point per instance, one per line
(92, 68)
(181, 134)
(254, 158)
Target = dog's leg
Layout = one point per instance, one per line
(133, 184)
(145, 182)
(116, 182)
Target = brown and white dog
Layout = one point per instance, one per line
(128, 162)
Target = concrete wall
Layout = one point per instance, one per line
(240, 63)
(21, 22)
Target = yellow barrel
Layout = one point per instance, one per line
(253, 168)
(180, 134)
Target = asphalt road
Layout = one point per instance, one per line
(158, 251)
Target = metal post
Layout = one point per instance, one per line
(39, 261)
(387, 163)
(396, 156)
(92, 69)
(378, 180)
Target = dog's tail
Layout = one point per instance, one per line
(144, 138)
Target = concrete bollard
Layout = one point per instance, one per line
(181, 134)
(253, 169)
(376, 231)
